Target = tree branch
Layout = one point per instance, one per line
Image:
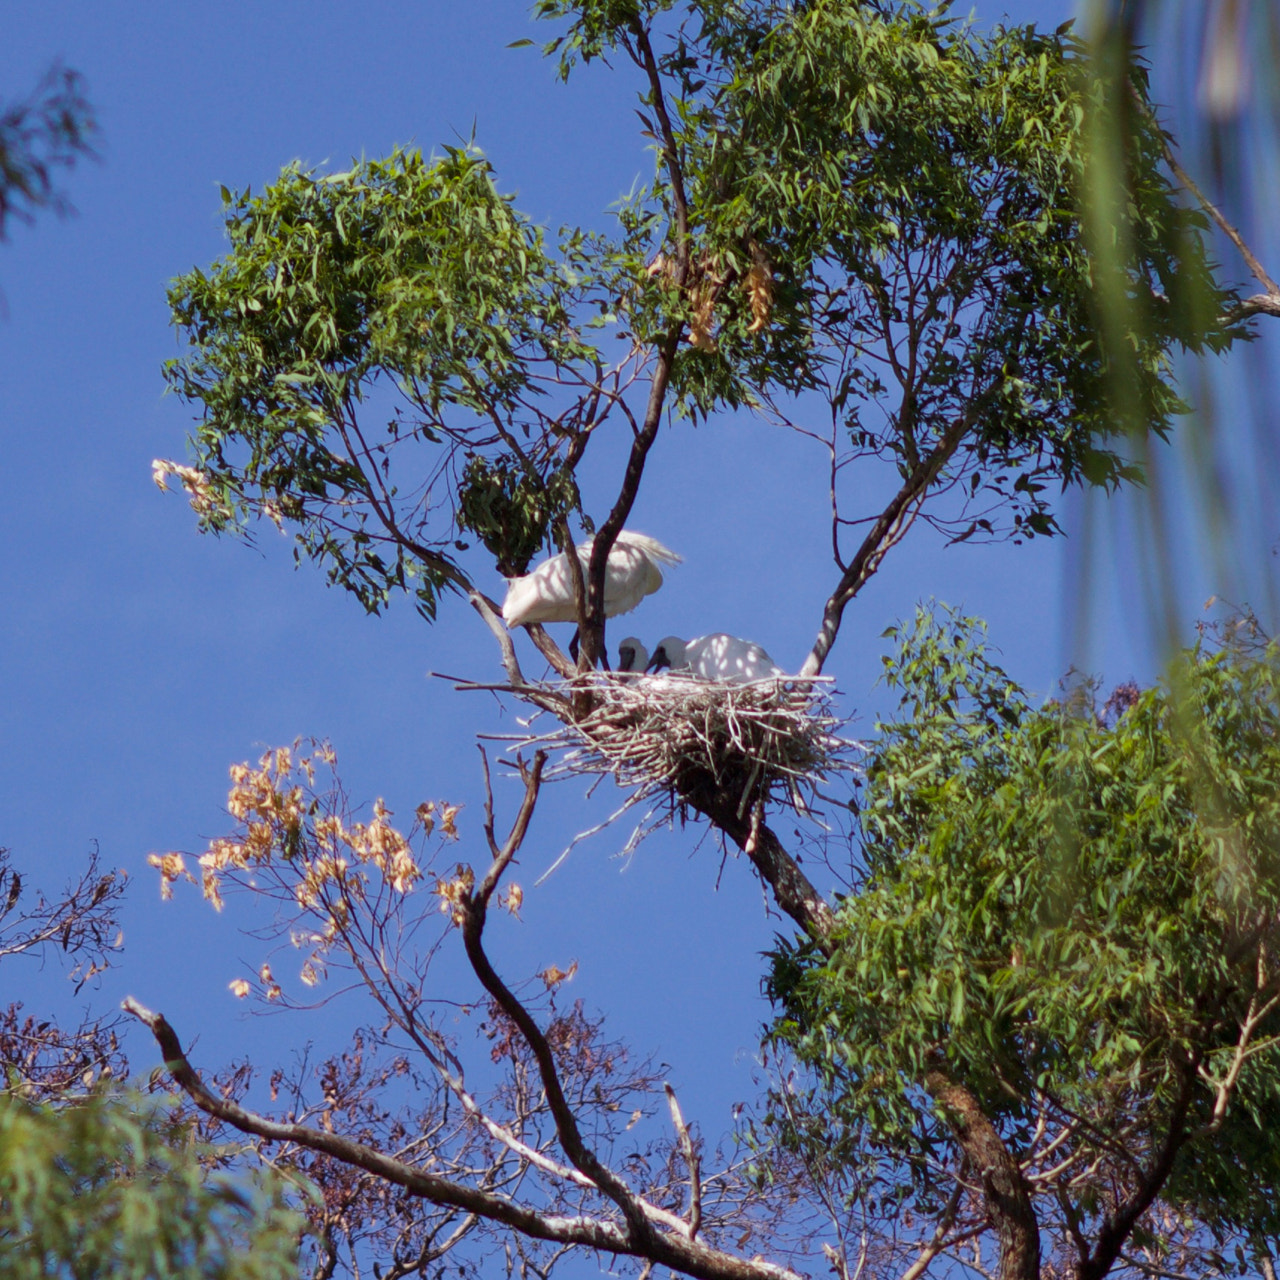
(939, 1240)
(1256, 268)
(591, 628)
(546, 646)
(792, 889)
(1119, 1224)
(1005, 1190)
(592, 637)
(889, 529)
(670, 149)
(474, 907)
(492, 615)
(685, 1256)
(1260, 303)
(690, 1159)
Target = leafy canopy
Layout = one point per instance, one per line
(870, 204)
(916, 188)
(110, 1186)
(1073, 914)
(410, 277)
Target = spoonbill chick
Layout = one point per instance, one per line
(715, 657)
(631, 573)
(632, 655)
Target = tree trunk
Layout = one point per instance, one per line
(1008, 1200)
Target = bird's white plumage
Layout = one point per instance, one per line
(715, 657)
(632, 655)
(546, 594)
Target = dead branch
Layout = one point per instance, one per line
(690, 1159)
(83, 920)
(670, 1250)
(492, 615)
(546, 646)
(939, 1240)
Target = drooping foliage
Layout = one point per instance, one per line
(111, 1186)
(50, 129)
(1071, 913)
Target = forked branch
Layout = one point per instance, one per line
(890, 528)
(665, 1249)
(473, 908)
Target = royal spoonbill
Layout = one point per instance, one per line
(632, 655)
(631, 573)
(715, 657)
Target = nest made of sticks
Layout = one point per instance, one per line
(705, 743)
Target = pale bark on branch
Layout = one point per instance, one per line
(638, 1228)
(663, 1248)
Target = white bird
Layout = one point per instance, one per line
(715, 657)
(631, 573)
(632, 655)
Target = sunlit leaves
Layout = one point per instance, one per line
(595, 27)
(919, 190)
(1074, 908)
(871, 202)
(403, 283)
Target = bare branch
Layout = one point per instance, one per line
(1119, 1224)
(492, 615)
(546, 646)
(690, 1159)
(889, 529)
(592, 638)
(82, 922)
(1267, 304)
(680, 1254)
(939, 1241)
(473, 909)
(1258, 271)
(519, 829)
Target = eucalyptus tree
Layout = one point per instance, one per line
(112, 1185)
(866, 222)
(1054, 1000)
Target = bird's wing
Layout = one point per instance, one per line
(650, 546)
(724, 657)
(545, 595)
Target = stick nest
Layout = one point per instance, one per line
(704, 743)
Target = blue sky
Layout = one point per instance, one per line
(138, 659)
